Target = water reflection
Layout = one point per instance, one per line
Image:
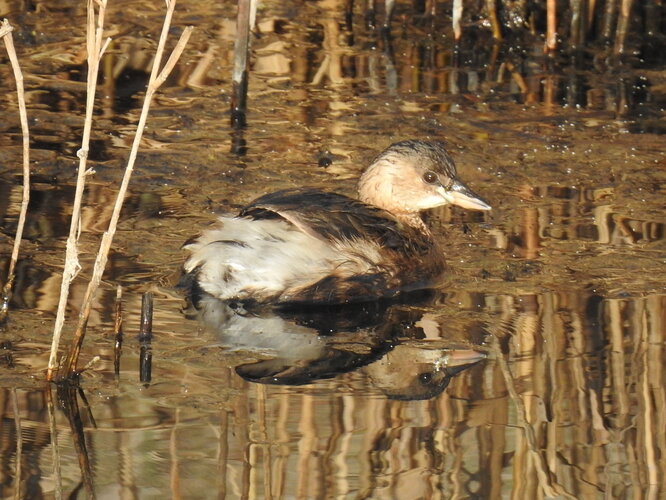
(571, 393)
(578, 213)
(307, 345)
(564, 279)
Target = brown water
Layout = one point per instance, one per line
(535, 371)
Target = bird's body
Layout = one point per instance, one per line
(307, 246)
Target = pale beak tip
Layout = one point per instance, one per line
(459, 194)
(483, 206)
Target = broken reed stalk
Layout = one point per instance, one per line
(6, 34)
(146, 328)
(118, 331)
(239, 74)
(146, 363)
(157, 78)
(95, 50)
(145, 338)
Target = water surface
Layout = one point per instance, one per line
(534, 370)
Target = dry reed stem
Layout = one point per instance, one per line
(239, 77)
(622, 26)
(589, 15)
(551, 22)
(609, 14)
(6, 34)
(491, 6)
(71, 268)
(157, 78)
(549, 485)
(241, 45)
(457, 15)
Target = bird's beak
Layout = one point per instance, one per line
(461, 195)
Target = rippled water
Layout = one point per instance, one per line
(534, 370)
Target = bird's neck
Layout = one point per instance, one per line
(413, 219)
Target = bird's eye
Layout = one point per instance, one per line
(430, 177)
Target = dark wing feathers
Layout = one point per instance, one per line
(335, 216)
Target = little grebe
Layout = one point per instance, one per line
(306, 246)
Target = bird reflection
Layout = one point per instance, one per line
(402, 350)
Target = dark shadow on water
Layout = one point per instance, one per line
(304, 345)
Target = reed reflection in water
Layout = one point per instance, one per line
(586, 371)
(564, 281)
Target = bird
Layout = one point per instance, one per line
(306, 247)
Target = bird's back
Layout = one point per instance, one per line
(307, 246)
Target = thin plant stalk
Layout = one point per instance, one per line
(241, 53)
(146, 328)
(389, 6)
(118, 331)
(491, 5)
(457, 15)
(622, 27)
(145, 338)
(157, 78)
(95, 50)
(370, 20)
(6, 34)
(551, 26)
(576, 34)
(589, 15)
(610, 10)
(652, 15)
